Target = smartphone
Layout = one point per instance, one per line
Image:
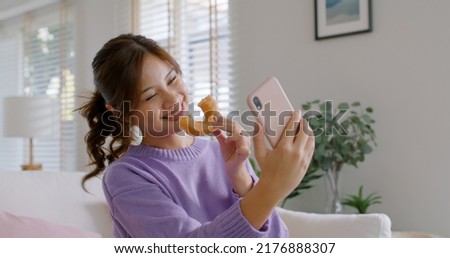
(271, 108)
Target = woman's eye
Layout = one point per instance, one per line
(172, 80)
(149, 98)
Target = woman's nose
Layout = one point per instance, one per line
(170, 99)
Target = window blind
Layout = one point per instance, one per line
(196, 33)
(45, 53)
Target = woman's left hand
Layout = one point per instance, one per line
(236, 149)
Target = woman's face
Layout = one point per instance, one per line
(163, 99)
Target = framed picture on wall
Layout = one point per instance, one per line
(336, 18)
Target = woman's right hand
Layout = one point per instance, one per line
(284, 167)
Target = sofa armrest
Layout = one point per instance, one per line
(312, 225)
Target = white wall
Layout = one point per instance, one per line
(93, 27)
(401, 69)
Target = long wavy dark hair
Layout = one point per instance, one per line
(117, 72)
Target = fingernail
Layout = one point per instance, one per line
(217, 132)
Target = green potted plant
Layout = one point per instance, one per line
(344, 136)
(361, 203)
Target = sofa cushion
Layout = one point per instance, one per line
(19, 226)
(312, 225)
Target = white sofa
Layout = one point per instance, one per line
(53, 204)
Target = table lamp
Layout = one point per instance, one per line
(30, 117)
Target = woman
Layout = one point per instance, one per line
(172, 184)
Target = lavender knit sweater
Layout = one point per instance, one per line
(155, 192)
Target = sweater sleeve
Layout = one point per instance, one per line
(145, 210)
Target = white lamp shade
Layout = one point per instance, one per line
(30, 117)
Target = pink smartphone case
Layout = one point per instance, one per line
(275, 108)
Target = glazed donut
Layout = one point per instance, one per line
(210, 109)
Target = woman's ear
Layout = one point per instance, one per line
(109, 107)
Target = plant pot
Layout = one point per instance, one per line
(334, 204)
